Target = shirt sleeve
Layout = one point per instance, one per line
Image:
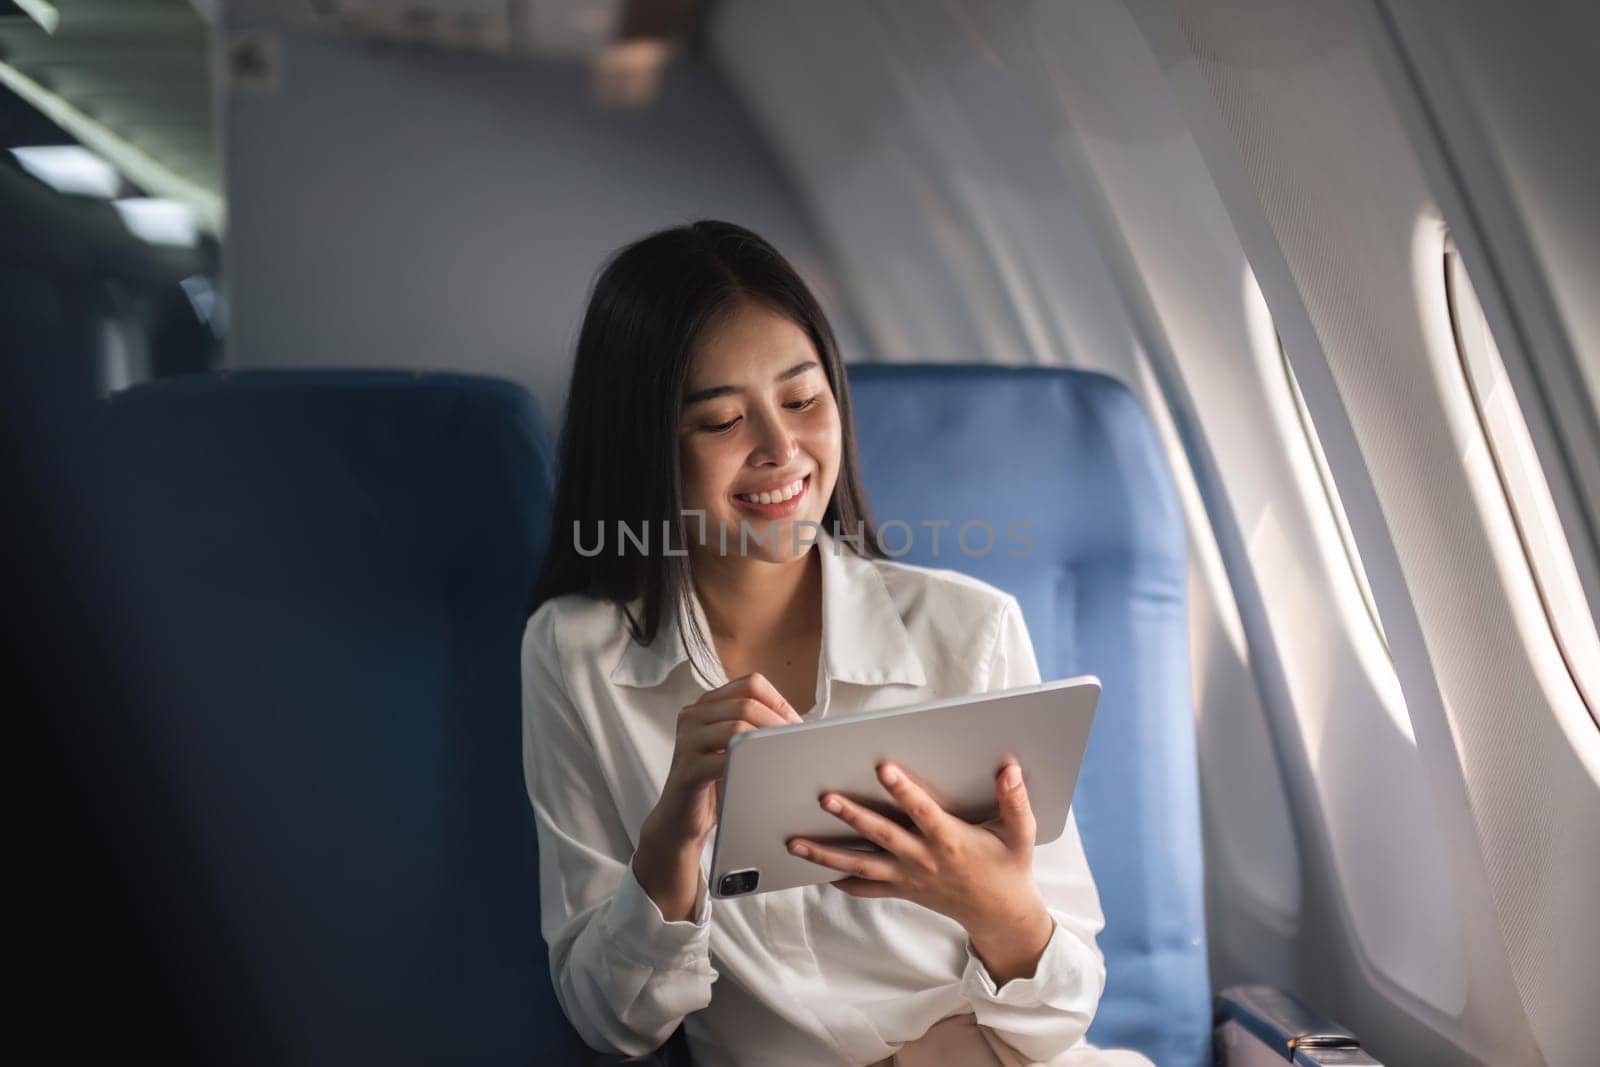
(624, 975)
(1048, 1012)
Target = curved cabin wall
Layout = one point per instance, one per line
(404, 206)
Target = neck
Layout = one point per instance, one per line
(756, 601)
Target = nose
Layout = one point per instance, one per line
(775, 443)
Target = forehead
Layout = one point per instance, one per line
(750, 345)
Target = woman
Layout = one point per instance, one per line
(707, 437)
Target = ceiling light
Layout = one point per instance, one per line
(70, 168)
(43, 13)
(159, 221)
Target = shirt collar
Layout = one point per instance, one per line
(864, 639)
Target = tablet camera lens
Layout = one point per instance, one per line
(739, 882)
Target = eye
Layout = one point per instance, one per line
(793, 405)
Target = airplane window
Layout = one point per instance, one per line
(1325, 476)
(1522, 479)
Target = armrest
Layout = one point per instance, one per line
(1259, 1024)
(1334, 1057)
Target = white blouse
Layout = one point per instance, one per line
(804, 976)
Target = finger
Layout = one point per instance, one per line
(747, 709)
(716, 736)
(878, 868)
(762, 689)
(759, 713)
(703, 768)
(756, 686)
(931, 819)
(883, 832)
(750, 710)
(1017, 826)
(863, 887)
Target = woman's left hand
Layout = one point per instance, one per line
(979, 875)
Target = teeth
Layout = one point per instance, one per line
(786, 493)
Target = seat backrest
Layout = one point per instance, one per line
(1070, 458)
(331, 571)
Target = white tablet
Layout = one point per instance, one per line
(955, 748)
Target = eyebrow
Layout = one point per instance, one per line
(724, 390)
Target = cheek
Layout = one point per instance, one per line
(692, 470)
(705, 472)
(825, 444)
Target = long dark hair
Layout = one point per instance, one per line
(618, 452)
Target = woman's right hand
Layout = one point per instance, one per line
(667, 861)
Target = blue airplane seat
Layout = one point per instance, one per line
(328, 575)
(1072, 460)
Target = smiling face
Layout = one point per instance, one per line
(759, 436)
